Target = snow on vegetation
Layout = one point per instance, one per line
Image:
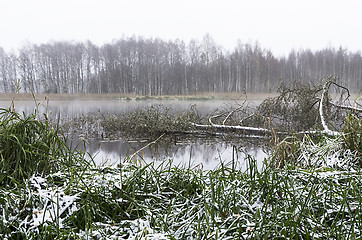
(54, 203)
(166, 202)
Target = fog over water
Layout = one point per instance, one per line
(76, 108)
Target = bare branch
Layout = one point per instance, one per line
(324, 94)
(346, 107)
(348, 95)
(215, 116)
(247, 117)
(321, 103)
(154, 142)
(223, 123)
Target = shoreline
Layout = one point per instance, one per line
(115, 96)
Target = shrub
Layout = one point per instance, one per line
(151, 121)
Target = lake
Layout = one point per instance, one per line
(205, 152)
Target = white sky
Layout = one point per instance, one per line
(278, 25)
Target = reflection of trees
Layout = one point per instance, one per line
(194, 152)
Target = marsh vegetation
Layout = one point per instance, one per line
(308, 188)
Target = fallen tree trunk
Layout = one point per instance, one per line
(252, 131)
(246, 130)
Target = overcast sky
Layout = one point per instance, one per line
(278, 25)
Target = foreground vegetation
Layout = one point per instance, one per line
(308, 189)
(165, 202)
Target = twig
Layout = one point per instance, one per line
(340, 86)
(247, 117)
(135, 153)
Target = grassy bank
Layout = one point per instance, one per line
(48, 191)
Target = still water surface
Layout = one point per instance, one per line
(205, 154)
(72, 109)
(202, 152)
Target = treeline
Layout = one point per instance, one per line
(157, 67)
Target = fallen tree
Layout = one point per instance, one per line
(300, 109)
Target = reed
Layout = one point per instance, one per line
(352, 138)
(30, 146)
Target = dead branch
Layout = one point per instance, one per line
(323, 101)
(340, 86)
(215, 116)
(346, 107)
(321, 105)
(153, 142)
(231, 112)
(247, 117)
(324, 95)
(232, 127)
(321, 113)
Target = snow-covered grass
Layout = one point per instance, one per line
(166, 202)
(315, 196)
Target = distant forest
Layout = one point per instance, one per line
(155, 67)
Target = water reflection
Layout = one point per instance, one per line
(203, 153)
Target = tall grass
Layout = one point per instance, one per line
(29, 145)
(352, 137)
